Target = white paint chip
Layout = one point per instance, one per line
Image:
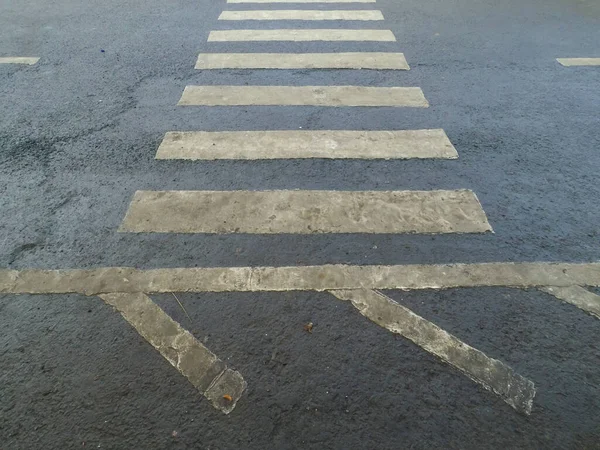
(19, 60)
(305, 212)
(301, 35)
(193, 360)
(492, 374)
(357, 60)
(301, 14)
(578, 296)
(568, 62)
(303, 96)
(403, 144)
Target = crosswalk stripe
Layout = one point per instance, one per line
(357, 60)
(303, 96)
(301, 1)
(494, 375)
(305, 212)
(18, 60)
(579, 61)
(404, 144)
(578, 296)
(297, 14)
(301, 35)
(198, 364)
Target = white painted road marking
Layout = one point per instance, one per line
(568, 62)
(404, 144)
(19, 60)
(301, 14)
(301, 35)
(303, 96)
(298, 278)
(365, 60)
(578, 296)
(305, 212)
(301, 1)
(492, 374)
(198, 364)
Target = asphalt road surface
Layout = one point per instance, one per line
(319, 287)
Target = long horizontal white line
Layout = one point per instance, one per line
(366, 60)
(302, 14)
(305, 212)
(199, 365)
(403, 144)
(579, 61)
(492, 374)
(301, 1)
(18, 60)
(303, 96)
(301, 35)
(298, 278)
(578, 296)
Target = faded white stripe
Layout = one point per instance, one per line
(301, 14)
(19, 60)
(579, 61)
(303, 96)
(404, 144)
(301, 1)
(305, 212)
(365, 60)
(301, 35)
(298, 278)
(578, 296)
(193, 360)
(492, 374)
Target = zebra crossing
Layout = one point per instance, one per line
(304, 211)
(314, 211)
(310, 211)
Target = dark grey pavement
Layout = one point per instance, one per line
(78, 135)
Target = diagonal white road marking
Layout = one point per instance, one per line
(222, 386)
(578, 296)
(492, 374)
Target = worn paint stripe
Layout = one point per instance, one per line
(302, 14)
(303, 96)
(301, 35)
(298, 278)
(18, 60)
(405, 144)
(305, 212)
(568, 62)
(578, 296)
(301, 1)
(365, 60)
(193, 360)
(492, 374)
